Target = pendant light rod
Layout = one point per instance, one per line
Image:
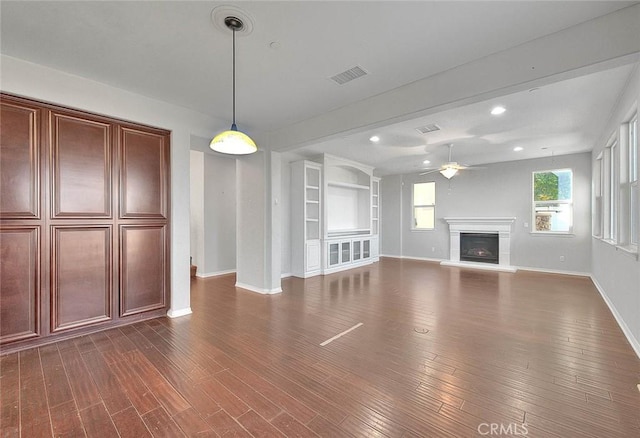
(233, 62)
(234, 24)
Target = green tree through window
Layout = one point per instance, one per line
(552, 203)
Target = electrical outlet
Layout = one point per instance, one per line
(526, 224)
(562, 258)
(433, 249)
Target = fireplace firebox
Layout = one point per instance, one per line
(479, 247)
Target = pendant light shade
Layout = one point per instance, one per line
(233, 142)
(449, 172)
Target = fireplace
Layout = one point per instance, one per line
(479, 247)
(492, 235)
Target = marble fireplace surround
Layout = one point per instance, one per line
(491, 225)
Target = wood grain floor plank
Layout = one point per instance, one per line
(224, 425)
(258, 426)
(66, 421)
(161, 425)
(292, 428)
(97, 422)
(10, 396)
(112, 393)
(84, 390)
(130, 425)
(191, 423)
(55, 377)
(35, 419)
(253, 399)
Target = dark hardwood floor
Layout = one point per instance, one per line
(442, 352)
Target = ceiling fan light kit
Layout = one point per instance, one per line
(233, 142)
(449, 172)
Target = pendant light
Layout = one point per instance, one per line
(233, 142)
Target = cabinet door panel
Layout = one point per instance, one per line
(143, 268)
(19, 288)
(313, 255)
(19, 162)
(144, 175)
(81, 167)
(81, 276)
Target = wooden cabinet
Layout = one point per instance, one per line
(84, 208)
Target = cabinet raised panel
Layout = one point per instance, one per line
(81, 167)
(19, 162)
(144, 174)
(81, 291)
(143, 267)
(19, 288)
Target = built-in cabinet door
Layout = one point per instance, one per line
(81, 281)
(19, 161)
(357, 253)
(345, 252)
(375, 252)
(81, 160)
(19, 284)
(143, 268)
(312, 256)
(143, 174)
(333, 254)
(366, 249)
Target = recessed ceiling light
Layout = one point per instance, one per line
(374, 138)
(426, 162)
(518, 148)
(497, 110)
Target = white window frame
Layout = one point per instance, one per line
(634, 189)
(598, 188)
(414, 206)
(535, 203)
(612, 184)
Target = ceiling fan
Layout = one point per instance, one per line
(451, 168)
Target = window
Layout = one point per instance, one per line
(598, 187)
(424, 206)
(634, 194)
(553, 201)
(612, 185)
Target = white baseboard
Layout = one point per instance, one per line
(259, 290)
(286, 275)
(424, 259)
(635, 344)
(482, 266)
(215, 274)
(177, 313)
(554, 271)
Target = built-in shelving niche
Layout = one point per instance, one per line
(348, 199)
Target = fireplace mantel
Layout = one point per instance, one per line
(498, 225)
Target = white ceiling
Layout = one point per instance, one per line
(171, 51)
(562, 118)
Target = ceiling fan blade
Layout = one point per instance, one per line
(430, 171)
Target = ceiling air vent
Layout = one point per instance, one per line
(428, 128)
(348, 75)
